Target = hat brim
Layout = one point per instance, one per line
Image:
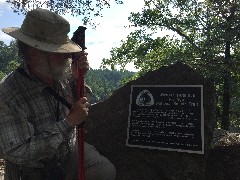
(69, 47)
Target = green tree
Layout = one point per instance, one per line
(2, 74)
(104, 82)
(8, 57)
(208, 40)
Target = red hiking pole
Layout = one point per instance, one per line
(79, 38)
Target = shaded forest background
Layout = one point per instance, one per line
(102, 81)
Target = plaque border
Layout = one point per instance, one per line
(162, 148)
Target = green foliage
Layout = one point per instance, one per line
(9, 59)
(103, 82)
(12, 65)
(2, 74)
(206, 37)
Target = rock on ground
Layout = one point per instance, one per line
(108, 122)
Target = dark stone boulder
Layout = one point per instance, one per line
(224, 159)
(107, 130)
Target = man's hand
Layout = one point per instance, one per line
(80, 62)
(78, 112)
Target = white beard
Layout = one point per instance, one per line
(61, 72)
(55, 72)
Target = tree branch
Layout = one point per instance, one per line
(184, 36)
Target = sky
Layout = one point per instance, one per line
(108, 34)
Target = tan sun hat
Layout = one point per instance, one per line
(44, 30)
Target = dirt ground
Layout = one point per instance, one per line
(1, 169)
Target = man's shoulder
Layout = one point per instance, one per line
(11, 85)
(10, 80)
(7, 81)
(18, 84)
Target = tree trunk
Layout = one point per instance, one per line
(225, 124)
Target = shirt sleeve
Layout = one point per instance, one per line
(22, 145)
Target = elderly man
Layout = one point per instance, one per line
(37, 131)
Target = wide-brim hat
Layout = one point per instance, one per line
(44, 30)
